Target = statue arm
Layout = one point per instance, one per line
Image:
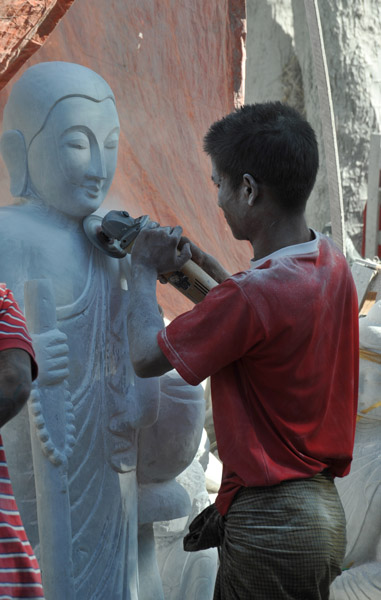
(359, 583)
(362, 581)
(147, 402)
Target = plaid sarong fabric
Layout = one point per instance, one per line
(284, 542)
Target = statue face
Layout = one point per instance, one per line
(72, 161)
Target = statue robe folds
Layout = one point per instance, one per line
(102, 470)
(109, 405)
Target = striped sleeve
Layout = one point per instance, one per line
(13, 330)
(20, 575)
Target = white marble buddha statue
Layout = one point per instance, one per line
(59, 142)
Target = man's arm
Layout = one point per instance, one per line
(154, 253)
(144, 323)
(15, 382)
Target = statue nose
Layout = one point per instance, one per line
(98, 164)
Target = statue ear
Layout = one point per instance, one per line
(13, 150)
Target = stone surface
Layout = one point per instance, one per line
(279, 67)
(174, 68)
(165, 450)
(24, 26)
(88, 406)
(360, 491)
(187, 575)
(213, 474)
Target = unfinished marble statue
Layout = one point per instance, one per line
(165, 451)
(360, 491)
(188, 575)
(60, 141)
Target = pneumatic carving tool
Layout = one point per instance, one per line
(115, 235)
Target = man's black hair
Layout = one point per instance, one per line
(273, 143)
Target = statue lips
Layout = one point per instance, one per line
(92, 190)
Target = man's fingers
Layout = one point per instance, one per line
(184, 240)
(178, 230)
(174, 232)
(185, 255)
(158, 248)
(152, 225)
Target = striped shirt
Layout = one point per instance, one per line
(19, 571)
(13, 331)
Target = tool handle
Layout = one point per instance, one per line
(191, 281)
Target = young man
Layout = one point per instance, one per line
(19, 571)
(280, 342)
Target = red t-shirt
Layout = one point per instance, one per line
(19, 571)
(280, 343)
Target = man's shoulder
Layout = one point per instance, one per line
(239, 281)
(332, 258)
(257, 277)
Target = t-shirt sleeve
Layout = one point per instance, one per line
(216, 332)
(13, 330)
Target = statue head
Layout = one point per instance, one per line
(60, 137)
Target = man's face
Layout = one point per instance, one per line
(230, 202)
(72, 161)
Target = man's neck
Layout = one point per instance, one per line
(279, 233)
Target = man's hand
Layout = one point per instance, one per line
(15, 382)
(208, 263)
(156, 250)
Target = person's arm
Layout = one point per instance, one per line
(144, 323)
(15, 382)
(154, 253)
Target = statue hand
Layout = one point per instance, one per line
(52, 357)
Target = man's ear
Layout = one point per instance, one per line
(251, 188)
(13, 150)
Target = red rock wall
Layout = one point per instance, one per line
(24, 26)
(174, 67)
